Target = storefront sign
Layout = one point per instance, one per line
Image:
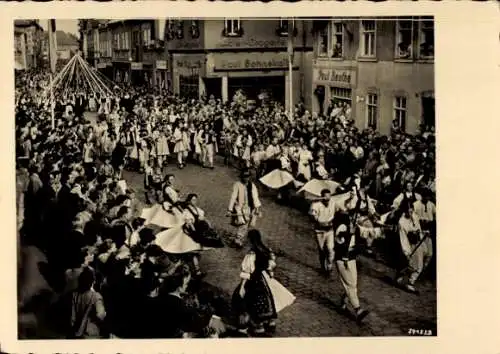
(251, 43)
(254, 61)
(106, 61)
(189, 63)
(136, 66)
(334, 76)
(161, 64)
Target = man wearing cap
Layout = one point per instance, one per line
(322, 213)
(244, 206)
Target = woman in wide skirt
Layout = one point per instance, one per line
(259, 296)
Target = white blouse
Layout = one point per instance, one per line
(248, 265)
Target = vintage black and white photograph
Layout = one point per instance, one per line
(225, 177)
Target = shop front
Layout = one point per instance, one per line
(256, 74)
(188, 69)
(148, 74)
(333, 86)
(137, 76)
(121, 72)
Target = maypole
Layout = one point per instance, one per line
(52, 105)
(53, 61)
(290, 35)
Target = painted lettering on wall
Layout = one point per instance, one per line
(189, 64)
(251, 43)
(184, 44)
(333, 75)
(252, 64)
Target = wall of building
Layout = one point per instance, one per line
(186, 41)
(388, 79)
(27, 44)
(384, 75)
(256, 34)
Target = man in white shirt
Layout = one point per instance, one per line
(322, 213)
(244, 206)
(425, 209)
(416, 246)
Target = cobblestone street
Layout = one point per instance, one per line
(288, 232)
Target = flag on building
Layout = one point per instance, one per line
(52, 45)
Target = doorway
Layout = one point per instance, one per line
(428, 111)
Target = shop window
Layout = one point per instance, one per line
(368, 38)
(404, 39)
(372, 110)
(426, 38)
(341, 95)
(189, 86)
(232, 27)
(400, 113)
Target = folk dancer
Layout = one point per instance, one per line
(209, 148)
(253, 296)
(244, 206)
(170, 195)
(162, 150)
(179, 147)
(345, 260)
(322, 213)
(416, 246)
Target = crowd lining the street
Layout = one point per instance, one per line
(92, 225)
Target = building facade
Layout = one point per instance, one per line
(383, 69)
(126, 51)
(28, 38)
(219, 56)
